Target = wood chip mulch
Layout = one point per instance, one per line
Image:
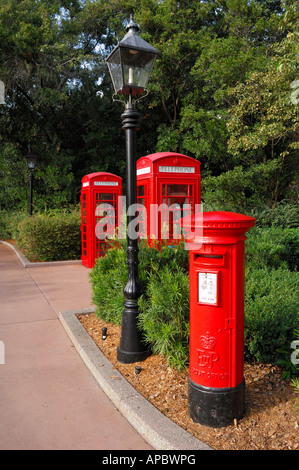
(270, 422)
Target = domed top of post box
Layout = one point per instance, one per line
(216, 227)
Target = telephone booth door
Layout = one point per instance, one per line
(100, 209)
(143, 209)
(169, 188)
(177, 202)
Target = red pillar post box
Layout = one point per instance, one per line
(168, 188)
(217, 278)
(100, 207)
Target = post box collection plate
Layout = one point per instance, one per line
(208, 288)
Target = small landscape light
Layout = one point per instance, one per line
(31, 164)
(137, 370)
(104, 332)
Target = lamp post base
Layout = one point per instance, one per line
(126, 357)
(132, 347)
(216, 407)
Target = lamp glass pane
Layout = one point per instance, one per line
(137, 67)
(31, 161)
(115, 69)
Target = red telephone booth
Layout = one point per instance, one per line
(168, 188)
(100, 207)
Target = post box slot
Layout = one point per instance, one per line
(209, 256)
(210, 259)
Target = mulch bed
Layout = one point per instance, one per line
(270, 422)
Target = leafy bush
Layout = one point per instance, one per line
(271, 302)
(284, 214)
(271, 307)
(241, 189)
(164, 315)
(164, 305)
(108, 278)
(273, 247)
(53, 236)
(9, 221)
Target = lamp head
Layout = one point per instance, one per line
(131, 62)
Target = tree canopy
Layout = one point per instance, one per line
(223, 91)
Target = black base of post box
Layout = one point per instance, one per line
(216, 407)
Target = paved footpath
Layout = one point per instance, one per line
(48, 398)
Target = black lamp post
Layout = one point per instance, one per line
(31, 162)
(130, 65)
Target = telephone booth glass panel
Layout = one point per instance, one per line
(106, 219)
(100, 208)
(84, 225)
(142, 206)
(177, 202)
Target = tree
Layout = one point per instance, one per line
(51, 69)
(214, 54)
(263, 120)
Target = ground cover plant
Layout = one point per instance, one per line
(164, 305)
(271, 300)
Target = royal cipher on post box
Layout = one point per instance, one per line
(216, 243)
(168, 188)
(100, 208)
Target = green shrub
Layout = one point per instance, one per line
(152, 260)
(241, 189)
(271, 302)
(109, 275)
(165, 270)
(284, 214)
(9, 221)
(273, 247)
(164, 315)
(51, 236)
(271, 308)
(108, 278)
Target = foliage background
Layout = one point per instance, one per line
(223, 91)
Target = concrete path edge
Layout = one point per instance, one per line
(28, 264)
(158, 430)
